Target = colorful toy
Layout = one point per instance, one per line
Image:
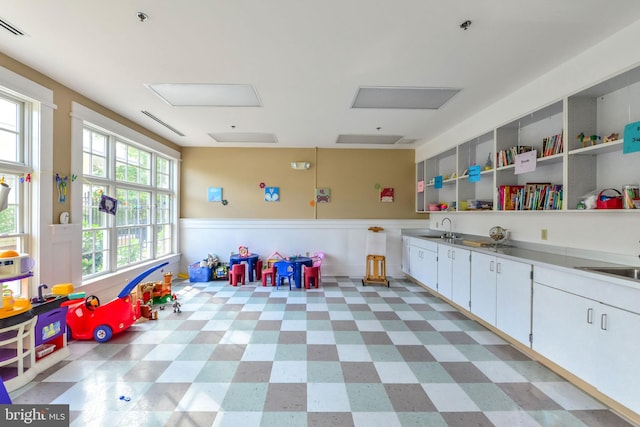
(611, 137)
(588, 140)
(176, 304)
(88, 319)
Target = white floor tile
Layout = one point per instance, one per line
(327, 397)
(204, 397)
(499, 372)
(449, 398)
(353, 353)
(446, 353)
(289, 371)
(395, 373)
(568, 396)
(181, 372)
(259, 352)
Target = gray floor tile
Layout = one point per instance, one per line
(406, 355)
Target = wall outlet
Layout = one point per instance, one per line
(544, 234)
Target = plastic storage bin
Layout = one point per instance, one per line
(199, 274)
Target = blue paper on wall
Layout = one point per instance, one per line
(631, 142)
(437, 181)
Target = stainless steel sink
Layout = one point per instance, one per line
(626, 272)
(444, 236)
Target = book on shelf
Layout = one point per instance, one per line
(531, 197)
(552, 145)
(508, 157)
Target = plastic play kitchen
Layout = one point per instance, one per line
(32, 332)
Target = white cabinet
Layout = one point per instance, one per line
(406, 248)
(423, 261)
(454, 270)
(501, 294)
(591, 339)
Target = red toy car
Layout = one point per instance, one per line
(87, 319)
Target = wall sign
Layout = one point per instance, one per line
(631, 142)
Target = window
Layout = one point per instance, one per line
(15, 115)
(141, 180)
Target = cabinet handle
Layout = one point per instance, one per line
(453, 254)
(603, 322)
(498, 268)
(448, 253)
(491, 266)
(590, 316)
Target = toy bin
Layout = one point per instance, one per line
(199, 274)
(609, 202)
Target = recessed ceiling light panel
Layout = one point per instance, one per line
(413, 98)
(244, 137)
(368, 139)
(206, 95)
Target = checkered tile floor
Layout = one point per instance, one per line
(341, 355)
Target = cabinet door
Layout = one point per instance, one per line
(445, 270)
(414, 262)
(513, 298)
(564, 330)
(483, 286)
(616, 355)
(430, 269)
(406, 244)
(461, 277)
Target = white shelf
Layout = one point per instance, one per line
(603, 109)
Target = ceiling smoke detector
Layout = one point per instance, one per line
(142, 16)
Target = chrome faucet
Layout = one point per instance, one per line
(450, 233)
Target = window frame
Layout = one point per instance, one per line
(118, 133)
(35, 195)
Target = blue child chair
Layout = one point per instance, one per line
(284, 270)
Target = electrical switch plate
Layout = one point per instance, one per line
(543, 234)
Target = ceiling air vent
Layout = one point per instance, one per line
(171, 128)
(244, 137)
(368, 139)
(12, 29)
(411, 98)
(405, 141)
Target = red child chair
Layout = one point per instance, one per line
(258, 269)
(311, 273)
(269, 272)
(236, 274)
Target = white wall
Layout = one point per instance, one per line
(343, 241)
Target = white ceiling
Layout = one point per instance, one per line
(306, 59)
